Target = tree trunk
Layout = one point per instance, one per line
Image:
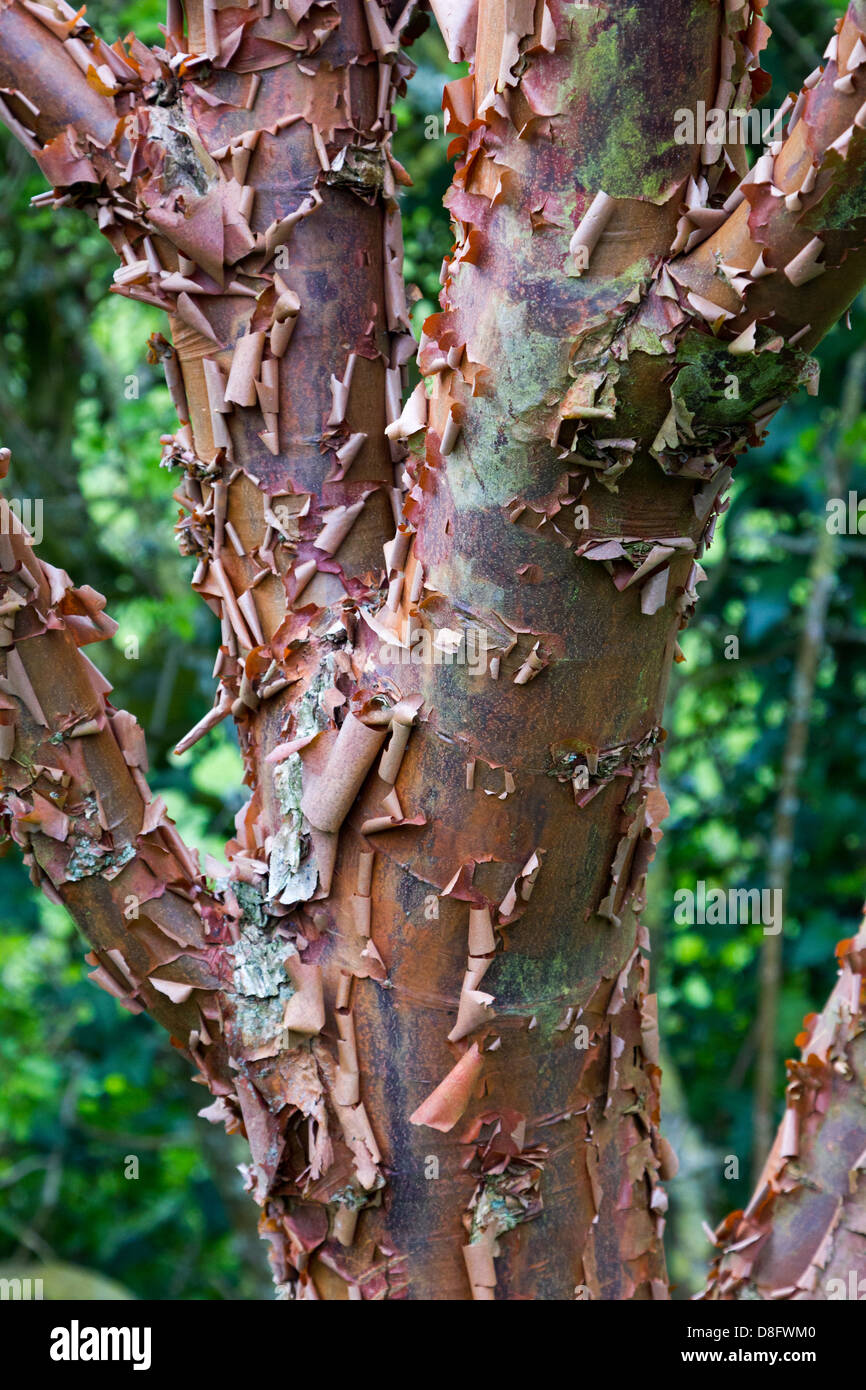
(228, 194)
(803, 1234)
(453, 755)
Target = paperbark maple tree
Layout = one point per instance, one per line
(803, 1233)
(422, 990)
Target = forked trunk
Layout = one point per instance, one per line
(422, 989)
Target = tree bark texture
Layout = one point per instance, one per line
(803, 1234)
(422, 990)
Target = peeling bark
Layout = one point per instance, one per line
(427, 970)
(579, 444)
(75, 799)
(803, 1234)
(243, 174)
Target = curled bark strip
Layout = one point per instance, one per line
(327, 804)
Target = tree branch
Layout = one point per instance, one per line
(46, 54)
(790, 255)
(801, 1234)
(75, 800)
(213, 172)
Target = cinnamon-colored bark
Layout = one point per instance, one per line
(78, 804)
(430, 970)
(251, 194)
(803, 1234)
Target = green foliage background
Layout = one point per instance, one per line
(84, 1085)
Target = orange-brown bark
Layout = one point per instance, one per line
(803, 1234)
(565, 382)
(77, 803)
(251, 195)
(443, 1051)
